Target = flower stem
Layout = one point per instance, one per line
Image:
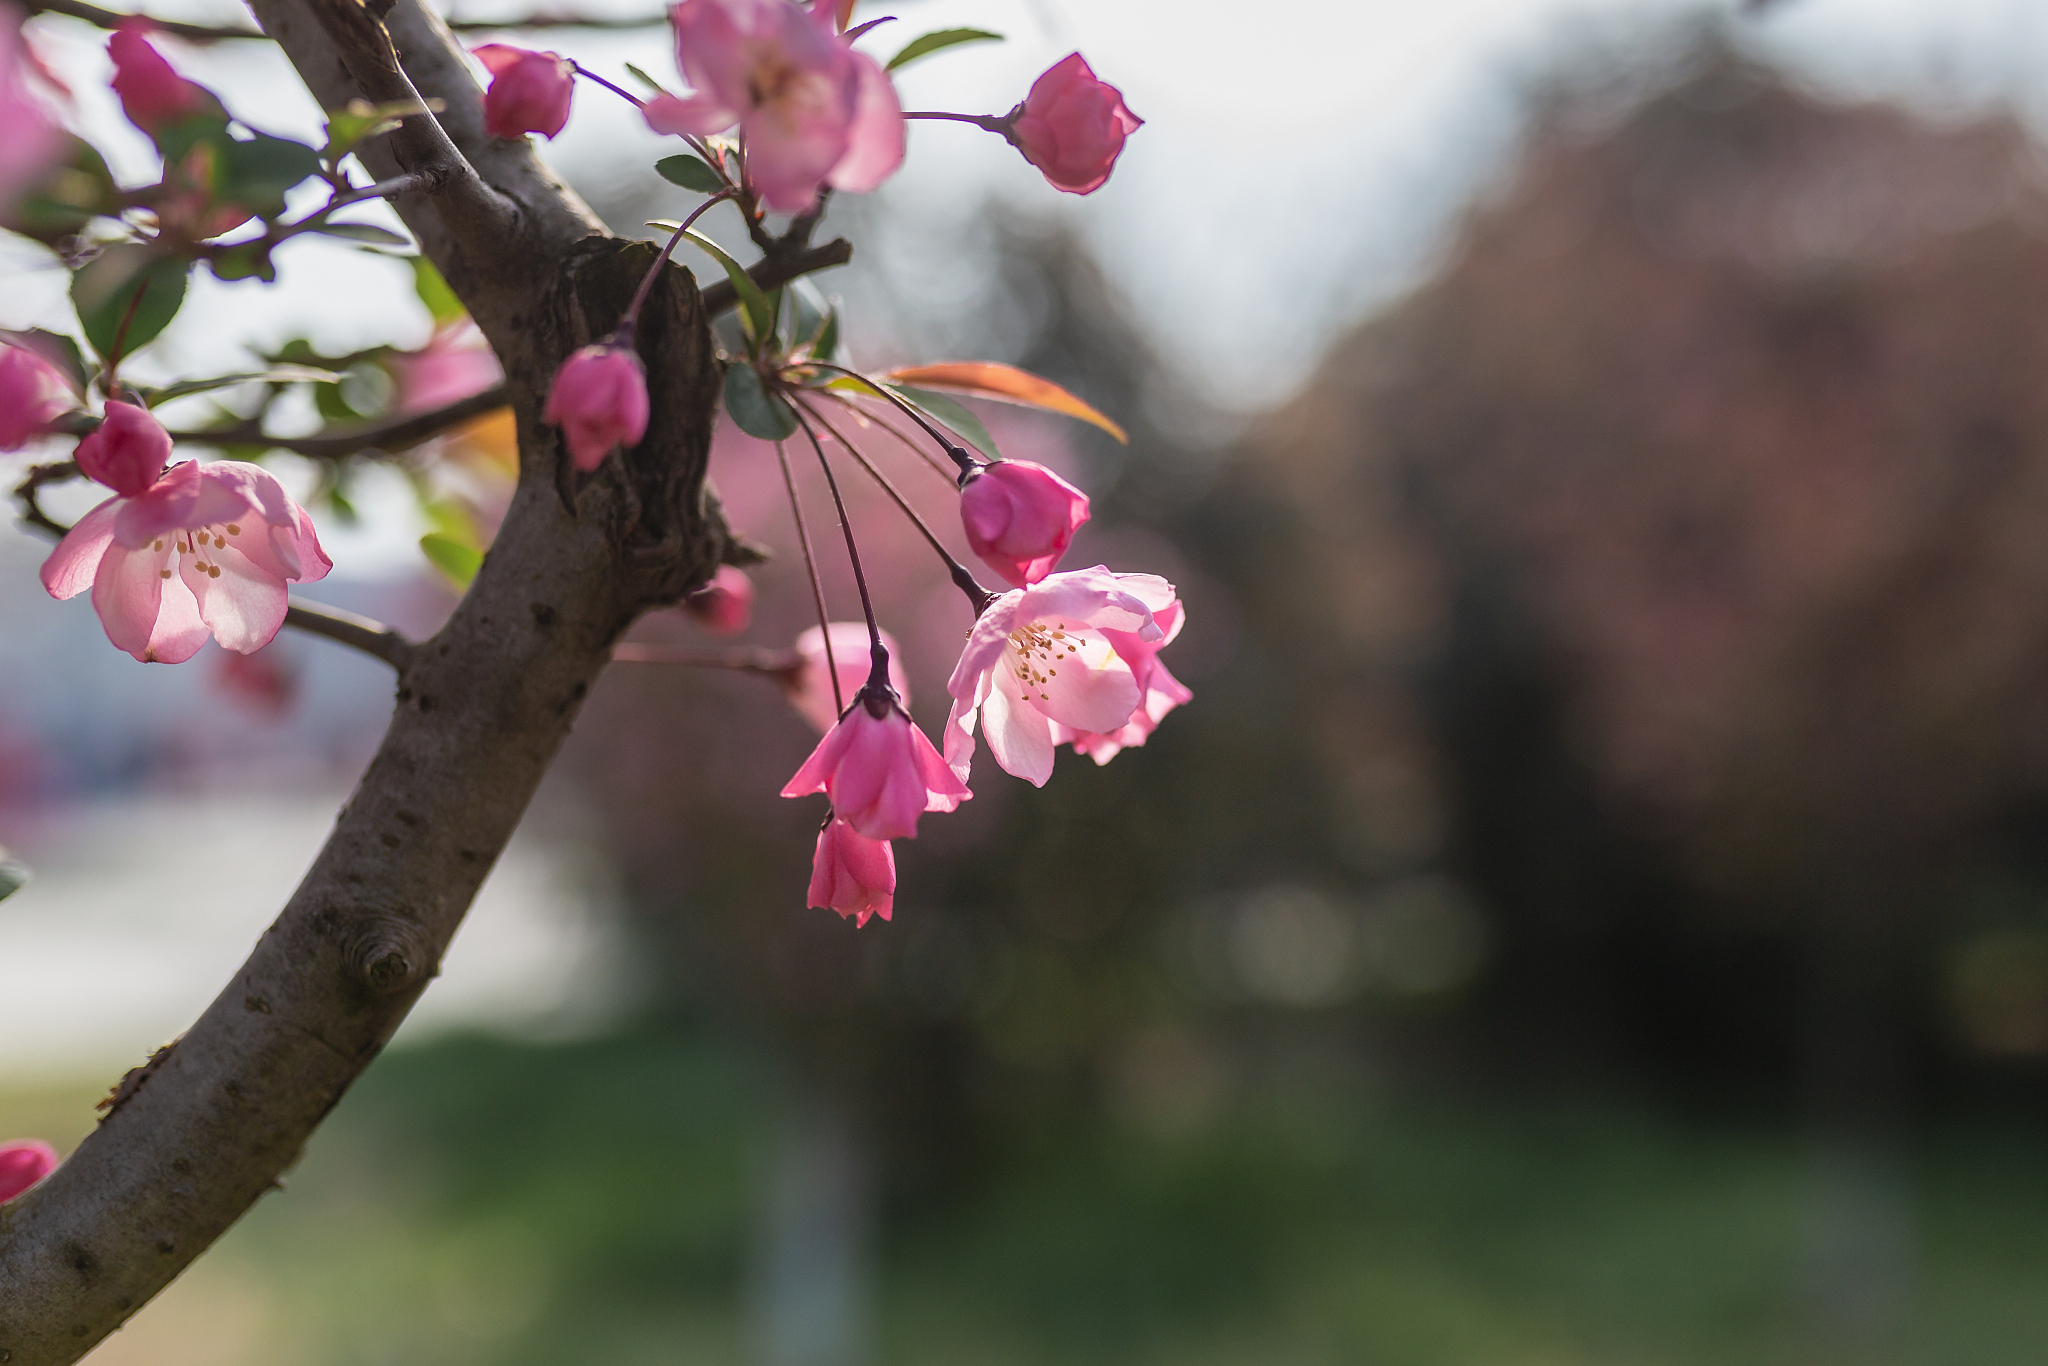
(647, 281)
(963, 578)
(955, 452)
(803, 538)
(587, 74)
(878, 673)
(994, 123)
(924, 456)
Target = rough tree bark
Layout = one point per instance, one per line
(481, 709)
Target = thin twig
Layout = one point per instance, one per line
(746, 659)
(930, 461)
(803, 538)
(392, 436)
(209, 33)
(878, 675)
(28, 492)
(371, 637)
(779, 269)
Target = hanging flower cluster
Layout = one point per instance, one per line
(779, 106)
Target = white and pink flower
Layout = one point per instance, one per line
(813, 111)
(1040, 663)
(198, 551)
(1159, 691)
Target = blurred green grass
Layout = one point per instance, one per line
(480, 1201)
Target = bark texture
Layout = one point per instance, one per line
(481, 708)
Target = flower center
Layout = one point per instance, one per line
(1034, 650)
(197, 544)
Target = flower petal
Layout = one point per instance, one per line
(70, 569)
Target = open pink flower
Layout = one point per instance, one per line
(725, 605)
(33, 142)
(28, 1160)
(810, 684)
(1020, 518)
(1072, 126)
(879, 770)
(814, 112)
(599, 400)
(530, 91)
(852, 874)
(203, 550)
(31, 393)
(152, 94)
(1041, 657)
(1159, 691)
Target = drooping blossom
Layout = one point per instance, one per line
(1159, 691)
(599, 400)
(813, 111)
(262, 682)
(878, 769)
(31, 393)
(852, 874)
(33, 142)
(1072, 126)
(530, 91)
(1020, 518)
(26, 1161)
(725, 605)
(202, 550)
(809, 685)
(153, 95)
(1041, 657)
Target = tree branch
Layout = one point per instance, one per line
(28, 494)
(210, 33)
(392, 435)
(779, 269)
(360, 633)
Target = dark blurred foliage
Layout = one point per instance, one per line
(1621, 663)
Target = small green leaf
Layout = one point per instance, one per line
(827, 344)
(257, 173)
(458, 561)
(754, 411)
(281, 374)
(13, 877)
(951, 413)
(348, 128)
(692, 173)
(68, 198)
(177, 140)
(637, 74)
(132, 285)
(440, 300)
(250, 260)
(364, 232)
(755, 312)
(939, 40)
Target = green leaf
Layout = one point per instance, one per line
(754, 310)
(280, 374)
(250, 260)
(177, 140)
(755, 411)
(364, 232)
(69, 197)
(59, 350)
(257, 173)
(458, 561)
(637, 74)
(953, 414)
(827, 344)
(348, 128)
(941, 39)
(13, 877)
(132, 285)
(692, 173)
(440, 300)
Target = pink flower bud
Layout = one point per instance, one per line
(529, 92)
(879, 770)
(853, 874)
(810, 684)
(27, 1161)
(128, 452)
(1072, 126)
(725, 605)
(31, 393)
(1020, 519)
(599, 400)
(152, 94)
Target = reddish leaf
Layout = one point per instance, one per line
(1006, 382)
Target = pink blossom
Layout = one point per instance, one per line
(152, 94)
(204, 550)
(1020, 518)
(530, 91)
(879, 770)
(33, 141)
(1041, 657)
(599, 400)
(455, 363)
(1159, 691)
(813, 111)
(31, 393)
(1072, 126)
(853, 874)
(810, 684)
(725, 605)
(27, 1160)
(263, 681)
